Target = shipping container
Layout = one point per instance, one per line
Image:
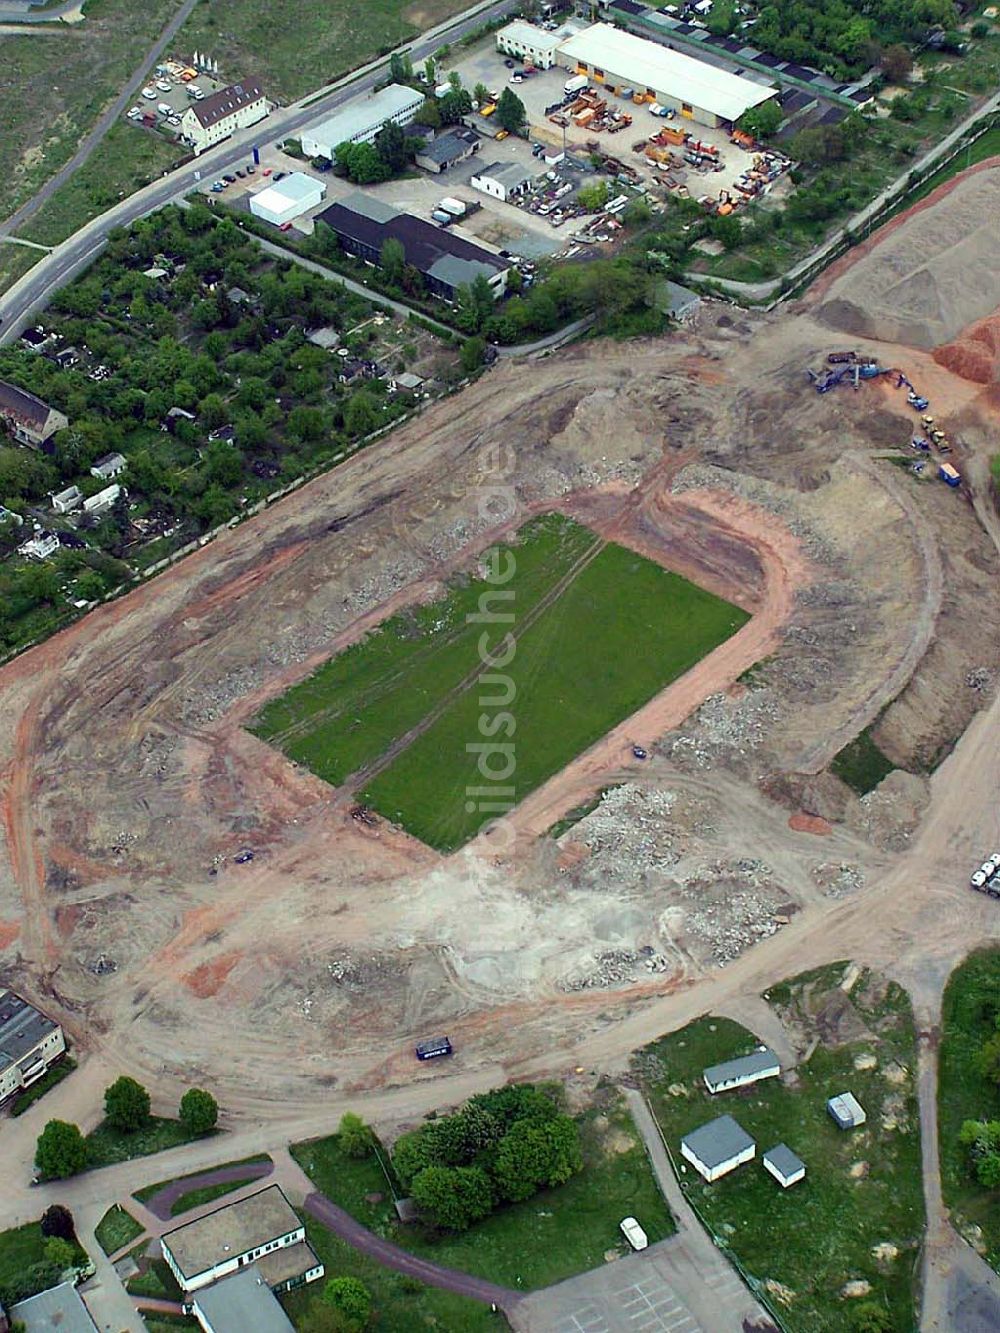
(948, 474)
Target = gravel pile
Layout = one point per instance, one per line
(837, 880)
(616, 967)
(628, 834)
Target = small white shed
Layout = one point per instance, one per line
(717, 1148)
(846, 1110)
(784, 1165)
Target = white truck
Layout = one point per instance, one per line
(576, 84)
(987, 878)
(454, 207)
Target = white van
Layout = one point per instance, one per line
(634, 1233)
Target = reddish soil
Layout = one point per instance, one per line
(975, 354)
(800, 822)
(208, 979)
(9, 931)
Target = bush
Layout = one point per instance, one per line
(352, 1299)
(356, 1138)
(198, 1111)
(58, 1221)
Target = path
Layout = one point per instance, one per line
(161, 1203)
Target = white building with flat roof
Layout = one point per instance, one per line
(703, 93)
(361, 120)
(289, 199)
(533, 45)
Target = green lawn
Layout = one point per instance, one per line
(570, 685)
(527, 1245)
(127, 159)
(146, 1193)
(116, 1228)
(970, 1009)
(105, 1145)
(20, 1248)
(154, 1278)
(15, 261)
(313, 45)
(168, 1323)
(861, 764)
(49, 1079)
(822, 1232)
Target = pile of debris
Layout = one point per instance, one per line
(629, 833)
(837, 881)
(617, 967)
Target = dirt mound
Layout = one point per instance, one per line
(929, 277)
(975, 354)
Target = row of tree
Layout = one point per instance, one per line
(60, 1252)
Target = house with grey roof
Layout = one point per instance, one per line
(30, 1042)
(451, 146)
(243, 1303)
(58, 1310)
(787, 1168)
(746, 1069)
(502, 180)
(109, 467)
(717, 1148)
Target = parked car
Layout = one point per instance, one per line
(229, 179)
(502, 134)
(163, 85)
(280, 175)
(134, 113)
(285, 226)
(509, 64)
(199, 93)
(267, 171)
(164, 109)
(218, 187)
(243, 857)
(174, 122)
(242, 174)
(251, 169)
(516, 78)
(149, 94)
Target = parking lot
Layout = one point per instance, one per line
(171, 89)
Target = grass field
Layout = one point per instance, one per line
(116, 1228)
(551, 1236)
(313, 45)
(126, 159)
(55, 87)
(861, 764)
(570, 685)
(970, 1010)
(106, 1145)
(20, 1248)
(822, 1232)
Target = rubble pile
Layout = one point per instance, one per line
(627, 834)
(616, 967)
(837, 880)
(733, 905)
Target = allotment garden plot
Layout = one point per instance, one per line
(597, 631)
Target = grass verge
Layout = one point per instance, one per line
(551, 1236)
(49, 1080)
(116, 1228)
(858, 1215)
(149, 1191)
(969, 1015)
(106, 1145)
(154, 1278)
(15, 262)
(861, 764)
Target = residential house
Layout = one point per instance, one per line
(717, 1148)
(64, 502)
(502, 180)
(30, 1042)
(263, 1230)
(846, 1110)
(361, 120)
(445, 261)
(109, 467)
(243, 1303)
(9, 516)
(451, 146)
(739, 1073)
(784, 1165)
(217, 117)
(58, 1310)
(406, 382)
(29, 420)
(326, 338)
(175, 414)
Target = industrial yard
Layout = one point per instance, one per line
(134, 783)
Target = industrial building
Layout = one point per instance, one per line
(263, 1230)
(700, 92)
(502, 180)
(217, 117)
(533, 45)
(29, 1041)
(717, 1148)
(739, 1073)
(28, 419)
(361, 121)
(446, 149)
(288, 199)
(787, 1168)
(445, 261)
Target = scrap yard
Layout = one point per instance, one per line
(188, 890)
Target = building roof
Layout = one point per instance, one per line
(22, 1026)
(784, 1161)
(23, 405)
(224, 103)
(242, 1303)
(718, 1141)
(652, 66)
(845, 1106)
(296, 188)
(450, 146)
(230, 1230)
(110, 461)
(528, 35)
(680, 299)
(439, 253)
(509, 174)
(745, 1065)
(286, 1262)
(360, 117)
(58, 1310)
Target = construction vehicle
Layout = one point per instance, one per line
(949, 475)
(840, 358)
(915, 400)
(918, 442)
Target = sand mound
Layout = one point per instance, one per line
(928, 278)
(975, 355)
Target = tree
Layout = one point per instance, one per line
(982, 1138)
(352, 1299)
(361, 415)
(721, 18)
(361, 163)
(727, 229)
(762, 121)
(401, 67)
(871, 1318)
(896, 63)
(61, 1150)
(58, 1221)
(355, 1137)
(471, 355)
(393, 259)
(61, 1253)
(481, 94)
(430, 114)
(394, 147)
(453, 106)
(510, 111)
(199, 1111)
(536, 1155)
(212, 411)
(455, 81)
(126, 1105)
(988, 1059)
(452, 1198)
(594, 196)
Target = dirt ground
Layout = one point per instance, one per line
(128, 776)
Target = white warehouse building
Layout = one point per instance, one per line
(360, 121)
(533, 45)
(709, 96)
(288, 199)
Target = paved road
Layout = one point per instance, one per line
(160, 1204)
(17, 14)
(31, 291)
(104, 123)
